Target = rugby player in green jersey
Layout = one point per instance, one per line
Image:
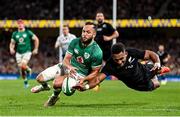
(83, 57)
(21, 46)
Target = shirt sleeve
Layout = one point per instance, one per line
(71, 47)
(107, 69)
(13, 37)
(139, 54)
(109, 30)
(97, 58)
(31, 34)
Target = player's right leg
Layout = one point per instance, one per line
(21, 63)
(25, 60)
(45, 76)
(156, 83)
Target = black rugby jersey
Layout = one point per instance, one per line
(132, 73)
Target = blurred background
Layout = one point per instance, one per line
(142, 24)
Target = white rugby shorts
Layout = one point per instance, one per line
(25, 57)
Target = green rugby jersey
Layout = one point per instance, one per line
(23, 41)
(85, 58)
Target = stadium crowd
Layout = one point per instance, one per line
(30, 9)
(48, 56)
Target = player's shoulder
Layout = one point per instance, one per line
(15, 32)
(106, 24)
(75, 41)
(95, 45)
(28, 31)
(136, 53)
(96, 49)
(72, 35)
(132, 50)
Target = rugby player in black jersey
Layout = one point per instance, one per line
(124, 64)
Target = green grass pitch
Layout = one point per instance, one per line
(113, 99)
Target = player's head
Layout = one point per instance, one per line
(100, 17)
(161, 48)
(21, 25)
(65, 29)
(119, 54)
(88, 33)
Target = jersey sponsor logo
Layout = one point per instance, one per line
(17, 36)
(129, 67)
(104, 26)
(99, 29)
(24, 35)
(76, 51)
(80, 59)
(21, 40)
(131, 59)
(86, 55)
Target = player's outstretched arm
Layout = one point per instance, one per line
(36, 44)
(154, 57)
(12, 47)
(91, 84)
(91, 76)
(99, 78)
(111, 37)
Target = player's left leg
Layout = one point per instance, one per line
(24, 74)
(57, 85)
(47, 75)
(26, 70)
(156, 83)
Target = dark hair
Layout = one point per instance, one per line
(100, 11)
(20, 21)
(91, 23)
(117, 48)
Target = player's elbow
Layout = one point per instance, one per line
(117, 34)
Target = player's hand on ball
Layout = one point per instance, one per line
(81, 81)
(79, 87)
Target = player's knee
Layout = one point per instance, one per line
(23, 66)
(57, 83)
(40, 78)
(156, 84)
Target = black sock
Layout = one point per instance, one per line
(45, 85)
(56, 92)
(25, 81)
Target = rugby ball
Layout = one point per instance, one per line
(67, 86)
